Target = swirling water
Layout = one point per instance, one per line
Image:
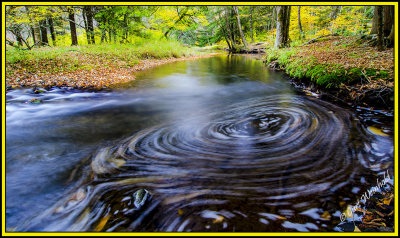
(215, 144)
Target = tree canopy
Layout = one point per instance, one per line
(232, 26)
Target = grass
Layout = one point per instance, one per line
(214, 47)
(127, 52)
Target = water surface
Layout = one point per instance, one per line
(215, 144)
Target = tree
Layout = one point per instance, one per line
(374, 28)
(72, 25)
(88, 19)
(282, 26)
(300, 28)
(251, 24)
(380, 41)
(230, 35)
(391, 37)
(182, 14)
(16, 22)
(52, 32)
(239, 26)
(388, 19)
(43, 32)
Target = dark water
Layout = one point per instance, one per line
(215, 144)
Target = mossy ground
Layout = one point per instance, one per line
(337, 61)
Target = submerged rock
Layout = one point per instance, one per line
(141, 196)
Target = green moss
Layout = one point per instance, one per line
(370, 72)
(383, 74)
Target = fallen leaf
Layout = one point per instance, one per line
(327, 216)
(377, 131)
(218, 219)
(102, 223)
(387, 201)
(180, 212)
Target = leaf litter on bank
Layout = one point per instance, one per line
(78, 70)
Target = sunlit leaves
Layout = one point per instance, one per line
(323, 20)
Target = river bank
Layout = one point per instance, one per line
(93, 67)
(346, 70)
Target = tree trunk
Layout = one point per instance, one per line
(300, 28)
(103, 29)
(33, 34)
(71, 17)
(103, 36)
(31, 26)
(36, 31)
(380, 42)
(52, 32)
(388, 19)
(18, 35)
(240, 26)
(282, 26)
(225, 32)
(86, 25)
(229, 30)
(274, 12)
(287, 24)
(43, 32)
(251, 24)
(176, 22)
(374, 29)
(89, 22)
(391, 37)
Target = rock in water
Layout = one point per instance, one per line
(140, 196)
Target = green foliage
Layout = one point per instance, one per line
(285, 56)
(272, 54)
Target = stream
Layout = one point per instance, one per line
(213, 144)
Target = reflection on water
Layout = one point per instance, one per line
(215, 144)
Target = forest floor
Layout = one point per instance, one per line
(345, 69)
(85, 67)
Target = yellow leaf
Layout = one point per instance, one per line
(218, 219)
(356, 229)
(180, 212)
(349, 212)
(281, 217)
(326, 215)
(376, 131)
(118, 162)
(102, 223)
(387, 201)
